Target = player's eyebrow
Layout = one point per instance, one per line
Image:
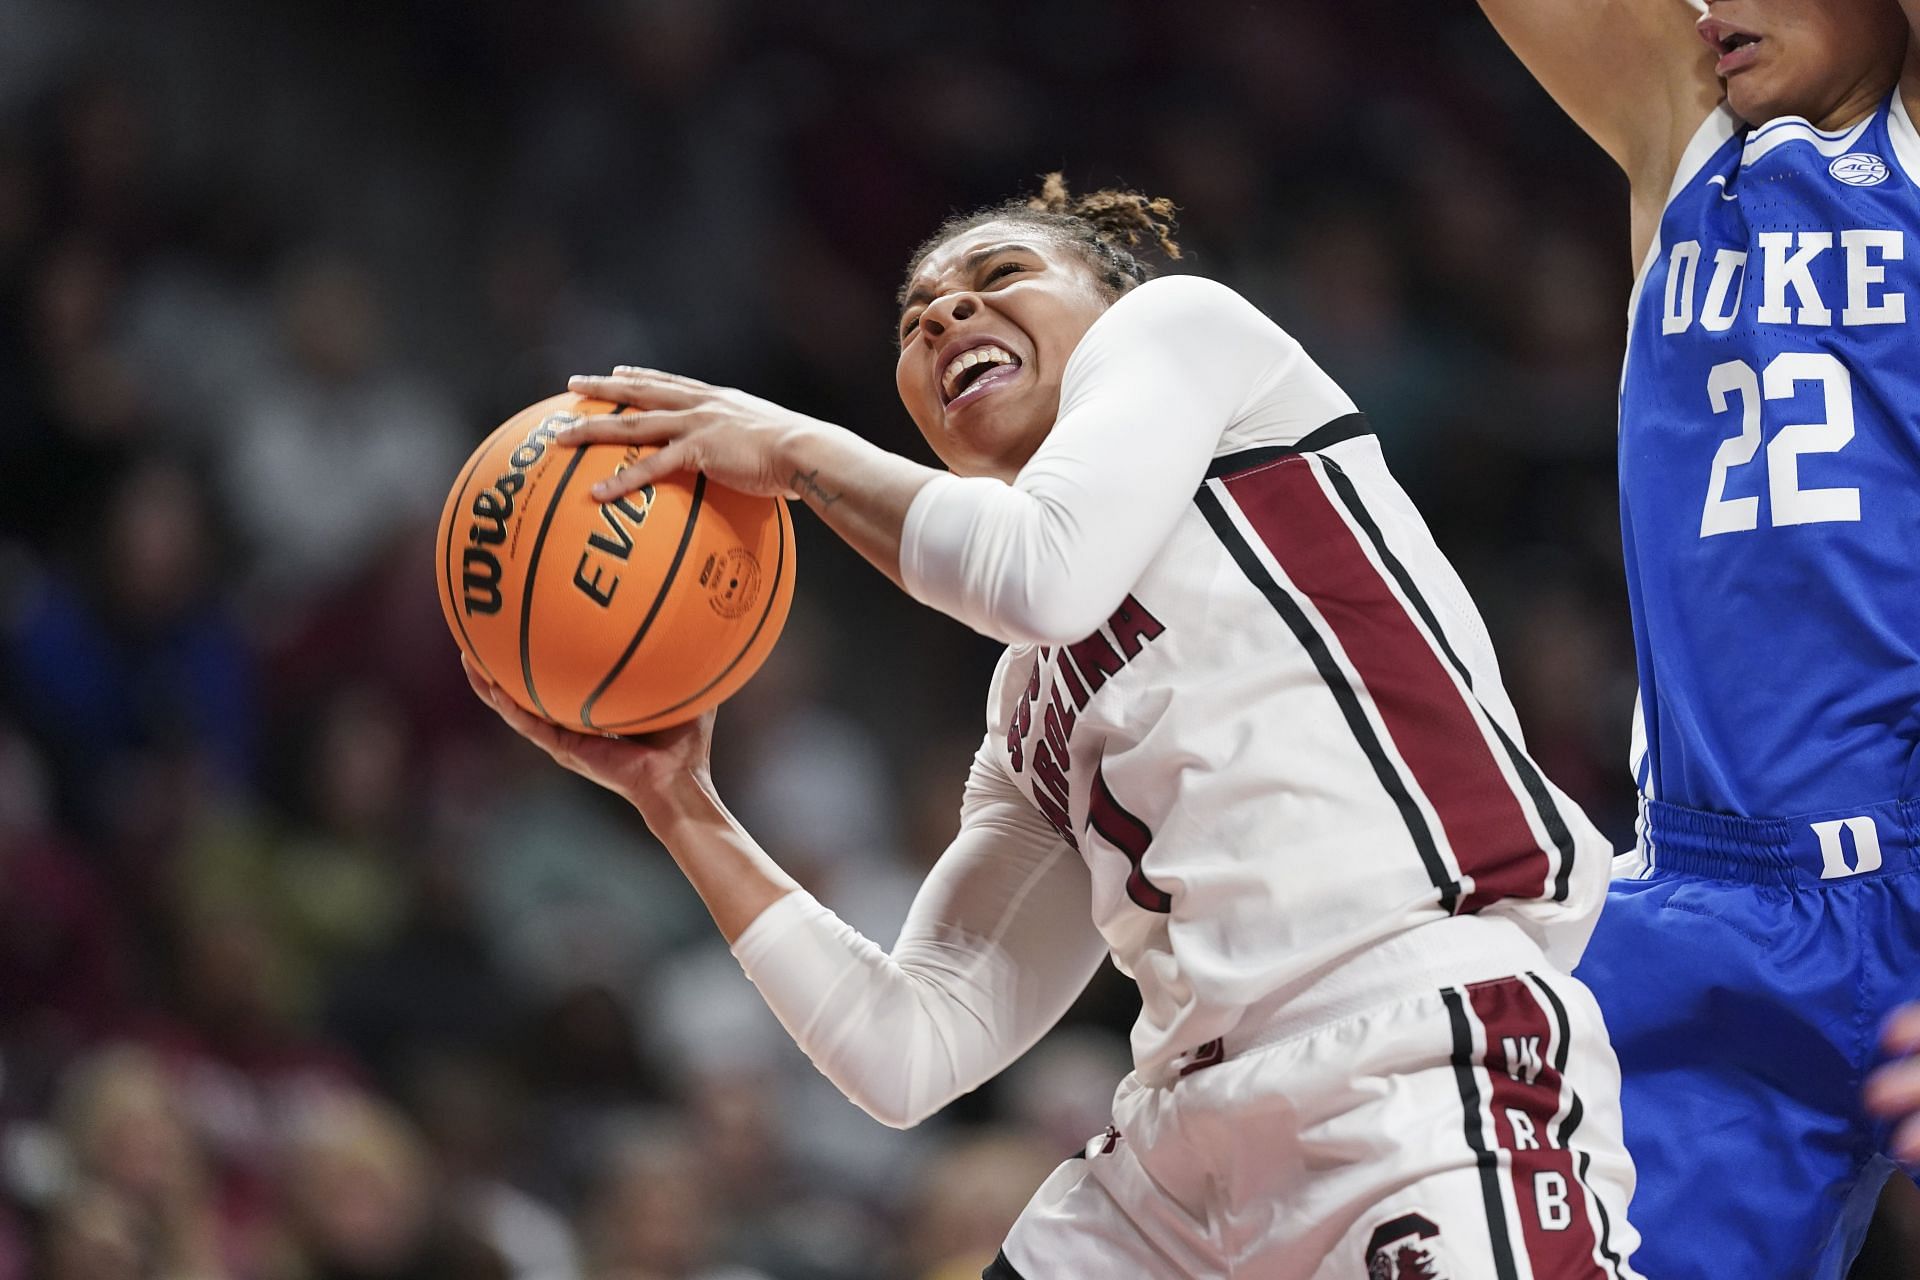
(921, 293)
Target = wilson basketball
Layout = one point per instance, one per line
(619, 617)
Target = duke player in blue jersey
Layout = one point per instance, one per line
(1770, 501)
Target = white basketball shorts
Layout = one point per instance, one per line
(1444, 1107)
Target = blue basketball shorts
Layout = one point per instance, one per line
(1744, 968)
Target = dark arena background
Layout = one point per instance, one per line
(308, 967)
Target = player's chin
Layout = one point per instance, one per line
(1759, 94)
(994, 438)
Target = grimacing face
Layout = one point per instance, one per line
(991, 317)
(1826, 60)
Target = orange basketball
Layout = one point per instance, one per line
(619, 617)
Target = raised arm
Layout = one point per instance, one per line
(1044, 560)
(1148, 396)
(753, 445)
(1632, 73)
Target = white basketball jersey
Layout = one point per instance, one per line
(1290, 741)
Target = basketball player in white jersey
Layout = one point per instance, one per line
(1248, 739)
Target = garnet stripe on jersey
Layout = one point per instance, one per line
(1483, 1156)
(1423, 710)
(1550, 815)
(1119, 828)
(1337, 684)
(1547, 1191)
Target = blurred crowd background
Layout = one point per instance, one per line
(308, 967)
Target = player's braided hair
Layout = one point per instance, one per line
(1106, 226)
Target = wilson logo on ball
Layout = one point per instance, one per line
(618, 617)
(491, 509)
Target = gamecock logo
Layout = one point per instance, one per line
(1407, 1248)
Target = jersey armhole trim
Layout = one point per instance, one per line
(1347, 427)
(1905, 138)
(1720, 125)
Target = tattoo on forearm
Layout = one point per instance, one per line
(807, 485)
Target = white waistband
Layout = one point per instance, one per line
(1444, 953)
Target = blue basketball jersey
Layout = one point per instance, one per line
(1770, 471)
(1770, 504)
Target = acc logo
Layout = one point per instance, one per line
(1406, 1248)
(1860, 169)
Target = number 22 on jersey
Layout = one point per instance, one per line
(1736, 387)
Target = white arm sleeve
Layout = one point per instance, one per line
(999, 942)
(1145, 400)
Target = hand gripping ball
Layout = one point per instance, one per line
(619, 617)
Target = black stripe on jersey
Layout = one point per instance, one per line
(1536, 787)
(1606, 1221)
(1000, 1269)
(1560, 1021)
(1350, 427)
(1349, 496)
(1576, 1112)
(1343, 694)
(1483, 1157)
(1562, 1034)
